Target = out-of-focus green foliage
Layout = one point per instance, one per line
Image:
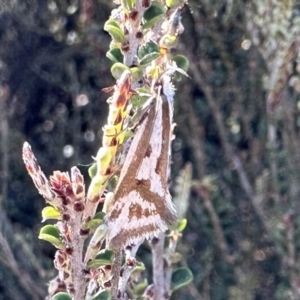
(62, 296)
(237, 122)
(181, 277)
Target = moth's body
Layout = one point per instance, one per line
(142, 206)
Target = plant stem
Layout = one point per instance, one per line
(157, 247)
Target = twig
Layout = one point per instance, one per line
(7, 256)
(173, 240)
(157, 248)
(133, 28)
(291, 252)
(115, 273)
(229, 152)
(76, 263)
(25, 280)
(218, 230)
(4, 129)
(130, 262)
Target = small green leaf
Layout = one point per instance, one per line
(156, 9)
(148, 48)
(151, 23)
(181, 277)
(51, 234)
(99, 215)
(50, 212)
(92, 170)
(102, 295)
(115, 55)
(137, 100)
(173, 3)
(182, 62)
(112, 23)
(154, 71)
(61, 296)
(153, 14)
(128, 4)
(104, 257)
(95, 242)
(96, 186)
(102, 161)
(115, 31)
(168, 41)
(180, 225)
(176, 257)
(118, 69)
(123, 138)
(139, 268)
(95, 222)
(148, 58)
(140, 287)
(136, 73)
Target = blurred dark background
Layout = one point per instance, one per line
(237, 123)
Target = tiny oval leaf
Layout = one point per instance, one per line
(51, 234)
(155, 10)
(104, 257)
(148, 48)
(182, 62)
(151, 22)
(181, 277)
(61, 296)
(139, 268)
(149, 58)
(95, 222)
(140, 288)
(103, 159)
(136, 73)
(102, 295)
(92, 170)
(105, 254)
(118, 69)
(50, 212)
(173, 3)
(115, 31)
(96, 186)
(137, 100)
(180, 225)
(115, 55)
(128, 4)
(168, 41)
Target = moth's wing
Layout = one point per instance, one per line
(138, 146)
(153, 171)
(142, 206)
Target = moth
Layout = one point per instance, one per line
(142, 207)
